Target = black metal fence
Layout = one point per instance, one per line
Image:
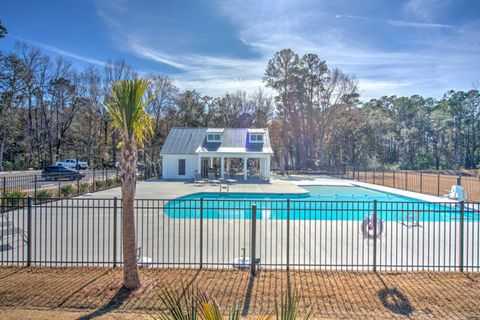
(432, 182)
(17, 186)
(343, 235)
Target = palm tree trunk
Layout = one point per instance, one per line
(131, 277)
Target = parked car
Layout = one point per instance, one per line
(73, 163)
(57, 172)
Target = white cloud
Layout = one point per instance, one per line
(442, 58)
(61, 52)
(426, 9)
(398, 23)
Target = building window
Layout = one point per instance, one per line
(181, 167)
(256, 138)
(213, 137)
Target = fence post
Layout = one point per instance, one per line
(93, 182)
(374, 172)
(253, 240)
(394, 178)
(4, 189)
(29, 231)
(201, 233)
(383, 177)
(462, 228)
(78, 184)
(438, 183)
(114, 232)
(374, 235)
(59, 188)
(421, 182)
(406, 179)
(288, 234)
(35, 187)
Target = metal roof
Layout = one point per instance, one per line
(194, 140)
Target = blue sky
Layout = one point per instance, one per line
(393, 47)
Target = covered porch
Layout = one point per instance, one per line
(242, 166)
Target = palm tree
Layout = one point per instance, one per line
(126, 107)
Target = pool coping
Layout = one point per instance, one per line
(400, 192)
(294, 195)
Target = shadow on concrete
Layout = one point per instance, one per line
(394, 300)
(116, 302)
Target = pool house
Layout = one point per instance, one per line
(240, 153)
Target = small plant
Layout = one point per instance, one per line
(288, 308)
(43, 196)
(192, 307)
(99, 184)
(14, 198)
(84, 187)
(66, 190)
(110, 182)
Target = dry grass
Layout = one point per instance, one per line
(332, 294)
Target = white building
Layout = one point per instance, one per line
(240, 153)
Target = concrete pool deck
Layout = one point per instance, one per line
(163, 189)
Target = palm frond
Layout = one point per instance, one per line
(126, 107)
(176, 308)
(288, 308)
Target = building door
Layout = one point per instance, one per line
(204, 169)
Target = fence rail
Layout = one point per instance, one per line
(435, 183)
(292, 234)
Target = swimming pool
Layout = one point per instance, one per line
(317, 203)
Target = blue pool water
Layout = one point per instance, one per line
(318, 203)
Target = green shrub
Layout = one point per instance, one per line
(14, 198)
(84, 187)
(110, 182)
(99, 184)
(16, 194)
(43, 196)
(66, 190)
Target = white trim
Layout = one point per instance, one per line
(256, 130)
(215, 130)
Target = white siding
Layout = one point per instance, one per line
(170, 166)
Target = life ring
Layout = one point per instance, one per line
(368, 227)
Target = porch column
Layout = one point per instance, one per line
(267, 166)
(262, 167)
(222, 165)
(199, 164)
(245, 168)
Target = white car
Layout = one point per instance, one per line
(72, 163)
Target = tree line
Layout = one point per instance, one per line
(51, 111)
(320, 122)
